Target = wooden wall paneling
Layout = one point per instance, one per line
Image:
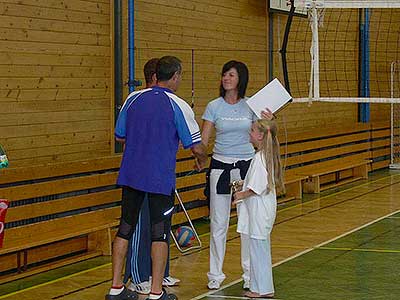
(55, 73)
(64, 13)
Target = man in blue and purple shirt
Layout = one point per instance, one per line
(138, 260)
(152, 122)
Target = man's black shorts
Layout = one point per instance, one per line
(160, 205)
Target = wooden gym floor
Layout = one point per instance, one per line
(341, 244)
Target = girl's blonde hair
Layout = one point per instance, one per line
(269, 148)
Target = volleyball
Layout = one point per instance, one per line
(185, 236)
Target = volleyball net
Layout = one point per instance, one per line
(344, 51)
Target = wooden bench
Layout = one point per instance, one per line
(67, 212)
(328, 157)
(58, 214)
(326, 175)
(380, 145)
(293, 186)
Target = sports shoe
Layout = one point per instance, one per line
(170, 281)
(166, 296)
(126, 294)
(141, 288)
(213, 284)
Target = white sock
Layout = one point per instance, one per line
(115, 292)
(155, 296)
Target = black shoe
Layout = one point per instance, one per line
(126, 294)
(166, 296)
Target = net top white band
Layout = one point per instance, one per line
(347, 3)
(348, 100)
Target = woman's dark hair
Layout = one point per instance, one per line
(167, 66)
(243, 72)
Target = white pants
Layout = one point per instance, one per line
(261, 280)
(220, 208)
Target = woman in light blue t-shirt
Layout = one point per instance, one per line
(231, 118)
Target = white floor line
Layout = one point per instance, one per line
(295, 256)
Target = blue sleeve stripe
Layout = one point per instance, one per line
(120, 126)
(132, 97)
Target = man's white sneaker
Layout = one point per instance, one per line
(170, 281)
(143, 288)
(213, 284)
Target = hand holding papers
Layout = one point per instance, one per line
(273, 96)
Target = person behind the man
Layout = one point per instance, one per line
(138, 261)
(156, 120)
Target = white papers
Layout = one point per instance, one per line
(273, 96)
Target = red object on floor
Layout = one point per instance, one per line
(3, 211)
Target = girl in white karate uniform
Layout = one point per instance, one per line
(256, 205)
